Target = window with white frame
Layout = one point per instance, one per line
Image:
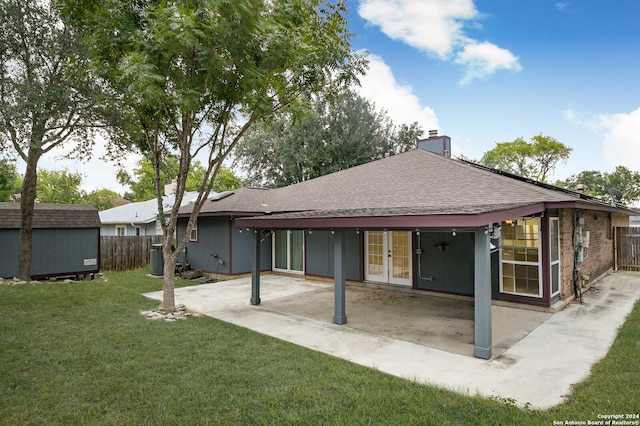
(194, 232)
(121, 230)
(554, 248)
(521, 263)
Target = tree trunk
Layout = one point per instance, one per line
(27, 202)
(168, 275)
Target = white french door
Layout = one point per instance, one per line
(388, 257)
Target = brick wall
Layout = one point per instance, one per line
(599, 257)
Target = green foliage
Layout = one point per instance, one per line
(59, 187)
(534, 160)
(598, 183)
(142, 183)
(337, 133)
(65, 187)
(101, 199)
(10, 181)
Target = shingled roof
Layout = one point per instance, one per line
(51, 216)
(415, 185)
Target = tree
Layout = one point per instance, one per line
(46, 95)
(534, 160)
(195, 75)
(142, 183)
(101, 199)
(10, 181)
(59, 187)
(336, 134)
(598, 183)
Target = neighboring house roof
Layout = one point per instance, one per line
(142, 212)
(415, 188)
(51, 216)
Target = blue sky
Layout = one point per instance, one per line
(488, 71)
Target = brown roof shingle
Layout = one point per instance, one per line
(51, 216)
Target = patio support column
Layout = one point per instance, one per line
(482, 294)
(339, 272)
(255, 268)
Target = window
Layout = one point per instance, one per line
(288, 251)
(121, 230)
(194, 232)
(521, 260)
(554, 247)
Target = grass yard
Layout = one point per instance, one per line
(81, 353)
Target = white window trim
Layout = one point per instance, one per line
(124, 230)
(288, 270)
(520, 262)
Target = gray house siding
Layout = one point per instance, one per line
(241, 245)
(55, 252)
(319, 254)
(449, 271)
(219, 239)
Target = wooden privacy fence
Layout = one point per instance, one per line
(124, 253)
(628, 249)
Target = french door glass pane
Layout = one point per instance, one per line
(400, 255)
(376, 255)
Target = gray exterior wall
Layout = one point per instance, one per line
(218, 236)
(452, 270)
(319, 254)
(55, 251)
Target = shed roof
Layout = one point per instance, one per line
(51, 216)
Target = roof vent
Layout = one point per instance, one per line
(433, 133)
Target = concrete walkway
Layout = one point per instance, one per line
(537, 361)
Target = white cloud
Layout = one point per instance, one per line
(399, 101)
(483, 59)
(561, 6)
(621, 139)
(621, 143)
(436, 27)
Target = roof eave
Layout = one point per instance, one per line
(391, 222)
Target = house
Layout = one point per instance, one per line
(420, 221)
(65, 241)
(634, 221)
(140, 218)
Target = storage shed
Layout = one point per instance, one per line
(66, 240)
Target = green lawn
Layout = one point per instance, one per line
(81, 353)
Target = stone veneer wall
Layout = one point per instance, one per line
(600, 256)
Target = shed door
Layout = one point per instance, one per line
(388, 257)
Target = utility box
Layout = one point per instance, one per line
(157, 260)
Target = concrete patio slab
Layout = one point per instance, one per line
(537, 356)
